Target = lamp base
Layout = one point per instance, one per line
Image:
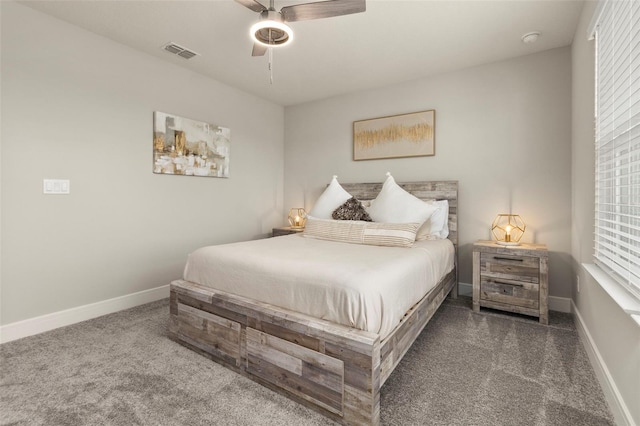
(508, 243)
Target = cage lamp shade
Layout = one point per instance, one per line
(508, 229)
(297, 217)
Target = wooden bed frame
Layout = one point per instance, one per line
(332, 368)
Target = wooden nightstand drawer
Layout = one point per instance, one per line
(510, 292)
(511, 278)
(510, 267)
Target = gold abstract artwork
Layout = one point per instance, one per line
(182, 146)
(406, 135)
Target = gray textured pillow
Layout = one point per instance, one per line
(352, 209)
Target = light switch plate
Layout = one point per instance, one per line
(56, 186)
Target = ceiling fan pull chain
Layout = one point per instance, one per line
(270, 65)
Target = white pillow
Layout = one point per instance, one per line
(359, 232)
(438, 224)
(395, 205)
(332, 198)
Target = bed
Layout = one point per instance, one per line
(328, 363)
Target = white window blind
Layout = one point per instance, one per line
(617, 218)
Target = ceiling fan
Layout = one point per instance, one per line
(272, 30)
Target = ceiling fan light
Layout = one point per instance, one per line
(271, 33)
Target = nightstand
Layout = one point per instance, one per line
(286, 230)
(511, 278)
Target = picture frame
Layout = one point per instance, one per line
(395, 136)
(186, 147)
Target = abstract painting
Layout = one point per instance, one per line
(405, 135)
(188, 147)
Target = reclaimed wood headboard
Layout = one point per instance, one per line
(427, 190)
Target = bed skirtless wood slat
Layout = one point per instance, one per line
(332, 368)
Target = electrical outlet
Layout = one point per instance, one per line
(578, 283)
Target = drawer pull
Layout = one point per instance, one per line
(508, 258)
(506, 283)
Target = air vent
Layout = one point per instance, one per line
(176, 49)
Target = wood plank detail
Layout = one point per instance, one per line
(476, 281)
(197, 338)
(281, 363)
(333, 381)
(210, 332)
(544, 290)
(212, 308)
(289, 335)
(363, 410)
(273, 356)
(312, 357)
(173, 303)
(193, 293)
(359, 372)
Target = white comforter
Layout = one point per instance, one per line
(361, 286)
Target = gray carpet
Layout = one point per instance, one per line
(464, 369)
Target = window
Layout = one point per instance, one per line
(617, 215)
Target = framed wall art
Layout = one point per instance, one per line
(396, 136)
(188, 147)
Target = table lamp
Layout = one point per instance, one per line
(297, 217)
(507, 229)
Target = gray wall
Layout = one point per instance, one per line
(78, 106)
(502, 130)
(615, 334)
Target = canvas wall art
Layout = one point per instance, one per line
(405, 135)
(188, 147)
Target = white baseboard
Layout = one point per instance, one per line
(619, 409)
(465, 289)
(558, 304)
(29, 327)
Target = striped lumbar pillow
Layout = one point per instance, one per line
(357, 232)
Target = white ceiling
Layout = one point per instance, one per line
(393, 41)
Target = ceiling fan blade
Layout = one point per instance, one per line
(253, 5)
(322, 9)
(258, 50)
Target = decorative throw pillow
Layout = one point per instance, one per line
(331, 199)
(358, 232)
(438, 224)
(352, 209)
(395, 205)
